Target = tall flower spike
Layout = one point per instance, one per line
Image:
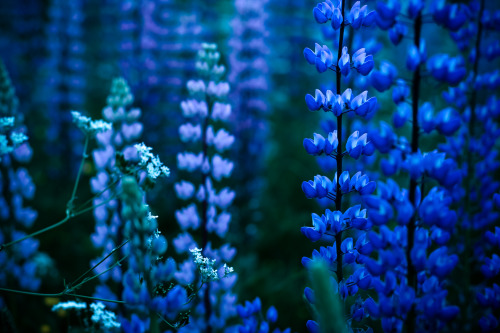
(207, 213)
(412, 291)
(330, 226)
(118, 152)
(24, 264)
(64, 80)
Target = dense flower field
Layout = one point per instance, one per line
(249, 166)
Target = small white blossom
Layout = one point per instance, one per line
(6, 122)
(227, 270)
(103, 317)
(206, 266)
(18, 138)
(69, 305)
(154, 166)
(89, 126)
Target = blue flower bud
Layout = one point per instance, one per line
(415, 7)
(371, 307)
(413, 59)
(315, 103)
(272, 314)
(159, 245)
(426, 117)
(322, 12)
(400, 92)
(488, 323)
(397, 32)
(337, 19)
(362, 62)
(448, 121)
(387, 13)
(451, 16)
(344, 63)
(440, 263)
(383, 78)
(309, 294)
(312, 326)
(314, 147)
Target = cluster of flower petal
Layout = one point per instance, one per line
(402, 114)
(16, 136)
(326, 226)
(362, 62)
(416, 56)
(208, 66)
(188, 132)
(396, 298)
(395, 301)
(435, 210)
(383, 78)
(221, 140)
(322, 186)
(451, 16)
(328, 10)
(319, 145)
(387, 13)
(360, 16)
(491, 19)
(359, 145)
(192, 107)
(447, 69)
(447, 121)
(444, 170)
(321, 57)
(381, 207)
(383, 137)
(397, 33)
(254, 321)
(338, 104)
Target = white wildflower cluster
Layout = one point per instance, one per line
(69, 305)
(206, 266)
(6, 122)
(16, 138)
(104, 317)
(154, 236)
(154, 166)
(89, 126)
(227, 270)
(100, 316)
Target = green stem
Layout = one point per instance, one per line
(68, 291)
(78, 175)
(62, 293)
(55, 225)
(82, 277)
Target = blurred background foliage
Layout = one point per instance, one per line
(62, 56)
